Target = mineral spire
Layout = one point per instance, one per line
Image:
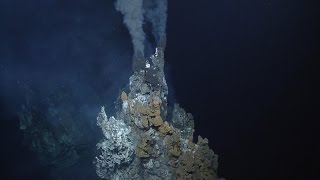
(146, 141)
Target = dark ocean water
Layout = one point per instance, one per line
(245, 70)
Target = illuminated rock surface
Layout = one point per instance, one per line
(142, 142)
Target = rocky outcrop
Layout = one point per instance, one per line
(199, 162)
(145, 140)
(116, 147)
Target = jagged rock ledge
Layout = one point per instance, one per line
(141, 142)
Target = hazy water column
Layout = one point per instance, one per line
(136, 12)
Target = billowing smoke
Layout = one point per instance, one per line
(133, 18)
(156, 13)
(136, 13)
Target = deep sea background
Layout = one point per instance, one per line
(247, 70)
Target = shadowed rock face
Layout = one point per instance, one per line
(163, 147)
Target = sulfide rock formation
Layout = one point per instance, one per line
(146, 141)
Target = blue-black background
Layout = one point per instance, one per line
(247, 70)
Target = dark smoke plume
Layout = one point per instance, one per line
(155, 12)
(136, 13)
(133, 18)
